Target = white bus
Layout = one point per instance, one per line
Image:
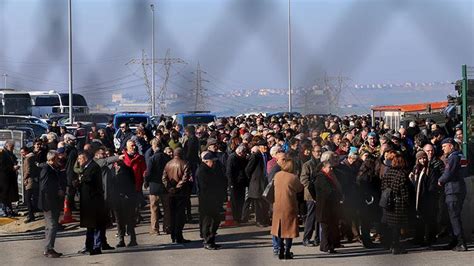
(52, 102)
(14, 103)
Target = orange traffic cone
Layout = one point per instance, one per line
(67, 218)
(229, 218)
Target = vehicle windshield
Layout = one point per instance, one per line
(16, 105)
(77, 100)
(197, 120)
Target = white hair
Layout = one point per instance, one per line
(274, 150)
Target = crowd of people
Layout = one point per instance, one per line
(338, 177)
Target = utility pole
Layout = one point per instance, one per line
(5, 76)
(289, 56)
(199, 103)
(70, 59)
(167, 62)
(153, 98)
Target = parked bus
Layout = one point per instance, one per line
(15, 103)
(52, 102)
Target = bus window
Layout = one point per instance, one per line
(47, 101)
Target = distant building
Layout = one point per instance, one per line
(393, 114)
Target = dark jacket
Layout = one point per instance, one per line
(212, 189)
(31, 171)
(426, 192)
(49, 186)
(308, 174)
(347, 175)
(191, 151)
(107, 174)
(123, 184)
(327, 197)
(453, 177)
(92, 196)
(155, 166)
(397, 180)
(235, 169)
(8, 177)
(71, 155)
(255, 170)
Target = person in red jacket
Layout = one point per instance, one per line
(137, 162)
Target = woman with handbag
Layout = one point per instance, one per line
(395, 214)
(285, 208)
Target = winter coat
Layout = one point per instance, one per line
(397, 180)
(31, 171)
(8, 177)
(154, 173)
(235, 170)
(426, 192)
(49, 186)
(255, 170)
(285, 207)
(328, 197)
(92, 196)
(308, 174)
(212, 189)
(107, 174)
(138, 165)
(176, 172)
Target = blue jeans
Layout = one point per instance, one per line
(283, 243)
(275, 244)
(93, 239)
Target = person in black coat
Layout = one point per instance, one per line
(328, 194)
(256, 172)
(124, 196)
(346, 173)
(212, 195)
(71, 157)
(425, 185)
(368, 186)
(8, 178)
(237, 180)
(49, 201)
(153, 179)
(93, 215)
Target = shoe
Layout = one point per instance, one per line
(262, 225)
(308, 243)
(288, 256)
(332, 251)
(460, 248)
(210, 247)
(52, 254)
(95, 251)
(281, 255)
(107, 247)
(276, 253)
(398, 251)
(121, 244)
(183, 241)
(132, 244)
(84, 251)
(29, 220)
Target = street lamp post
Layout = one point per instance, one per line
(5, 76)
(289, 56)
(70, 59)
(153, 98)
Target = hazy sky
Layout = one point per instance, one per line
(243, 43)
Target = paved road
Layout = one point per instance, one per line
(246, 245)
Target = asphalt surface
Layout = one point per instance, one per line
(243, 245)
